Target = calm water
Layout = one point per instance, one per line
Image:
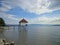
(33, 35)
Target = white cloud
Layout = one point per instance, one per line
(12, 19)
(9, 18)
(45, 20)
(36, 6)
(33, 6)
(55, 4)
(4, 6)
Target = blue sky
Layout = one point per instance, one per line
(34, 11)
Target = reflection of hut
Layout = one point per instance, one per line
(23, 22)
(23, 37)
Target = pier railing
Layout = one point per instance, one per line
(8, 27)
(12, 27)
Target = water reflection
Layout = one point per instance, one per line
(1, 31)
(23, 35)
(19, 36)
(32, 35)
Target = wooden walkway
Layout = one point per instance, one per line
(9, 27)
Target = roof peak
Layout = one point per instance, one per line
(23, 20)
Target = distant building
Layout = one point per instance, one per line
(23, 22)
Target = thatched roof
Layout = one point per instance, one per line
(23, 21)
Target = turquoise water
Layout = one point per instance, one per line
(33, 35)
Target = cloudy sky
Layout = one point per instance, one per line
(35, 11)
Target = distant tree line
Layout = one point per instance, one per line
(2, 22)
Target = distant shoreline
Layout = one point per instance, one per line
(34, 24)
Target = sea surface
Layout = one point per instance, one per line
(32, 35)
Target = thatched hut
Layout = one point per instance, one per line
(23, 22)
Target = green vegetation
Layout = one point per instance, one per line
(2, 22)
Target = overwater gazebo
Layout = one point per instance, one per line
(23, 22)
